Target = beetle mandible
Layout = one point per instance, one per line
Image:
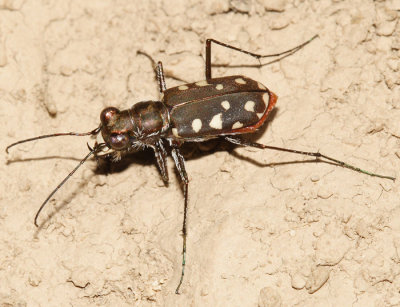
(216, 107)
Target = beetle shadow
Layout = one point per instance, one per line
(20, 160)
(254, 137)
(58, 207)
(105, 166)
(260, 64)
(273, 164)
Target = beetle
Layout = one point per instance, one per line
(222, 107)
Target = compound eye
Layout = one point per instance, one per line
(119, 141)
(107, 114)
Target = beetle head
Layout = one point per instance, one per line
(117, 129)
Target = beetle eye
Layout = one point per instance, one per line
(119, 141)
(107, 114)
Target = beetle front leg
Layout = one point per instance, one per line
(160, 77)
(180, 165)
(316, 155)
(159, 71)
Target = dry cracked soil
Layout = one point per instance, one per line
(265, 228)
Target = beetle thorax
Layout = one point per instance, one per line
(151, 118)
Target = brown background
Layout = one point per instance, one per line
(261, 231)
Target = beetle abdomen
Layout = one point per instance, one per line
(221, 106)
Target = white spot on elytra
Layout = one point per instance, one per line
(266, 98)
(261, 86)
(249, 106)
(219, 87)
(216, 121)
(225, 104)
(202, 83)
(240, 81)
(259, 115)
(175, 132)
(183, 87)
(237, 125)
(196, 125)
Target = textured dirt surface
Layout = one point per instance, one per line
(265, 228)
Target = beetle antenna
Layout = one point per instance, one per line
(92, 151)
(93, 132)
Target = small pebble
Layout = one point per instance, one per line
(298, 281)
(315, 178)
(34, 280)
(324, 193)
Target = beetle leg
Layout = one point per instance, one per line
(318, 156)
(161, 156)
(180, 165)
(282, 55)
(159, 71)
(160, 77)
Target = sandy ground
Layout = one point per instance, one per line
(265, 228)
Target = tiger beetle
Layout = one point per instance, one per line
(223, 107)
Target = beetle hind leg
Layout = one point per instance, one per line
(317, 155)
